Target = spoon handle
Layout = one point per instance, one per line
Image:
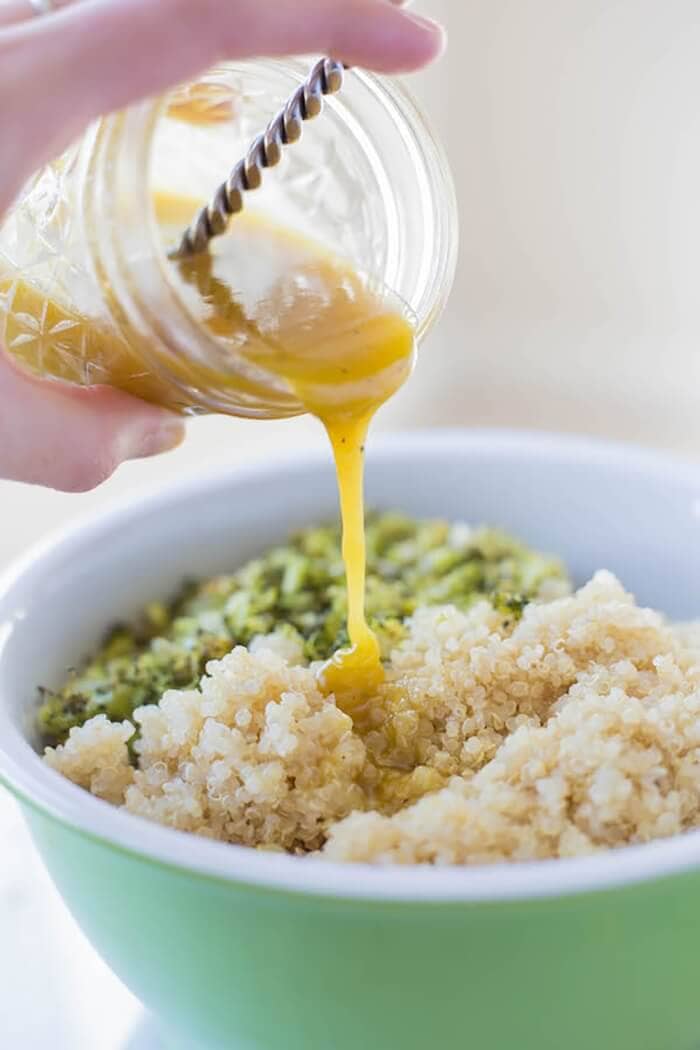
(326, 78)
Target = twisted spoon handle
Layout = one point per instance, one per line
(326, 78)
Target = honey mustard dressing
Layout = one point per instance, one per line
(343, 348)
(292, 311)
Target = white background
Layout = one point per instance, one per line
(573, 127)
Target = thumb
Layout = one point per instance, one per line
(73, 438)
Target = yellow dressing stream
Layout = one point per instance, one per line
(341, 346)
(354, 672)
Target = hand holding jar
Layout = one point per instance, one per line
(84, 59)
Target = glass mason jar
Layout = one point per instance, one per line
(87, 293)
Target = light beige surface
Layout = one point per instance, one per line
(574, 133)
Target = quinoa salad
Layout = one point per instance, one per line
(518, 720)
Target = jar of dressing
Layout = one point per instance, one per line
(89, 295)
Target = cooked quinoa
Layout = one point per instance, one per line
(571, 729)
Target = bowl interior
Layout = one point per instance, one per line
(596, 506)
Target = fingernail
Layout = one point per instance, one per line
(427, 23)
(423, 21)
(162, 438)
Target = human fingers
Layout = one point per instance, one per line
(100, 55)
(73, 438)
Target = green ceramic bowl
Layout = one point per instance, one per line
(236, 950)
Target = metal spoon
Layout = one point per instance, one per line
(326, 78)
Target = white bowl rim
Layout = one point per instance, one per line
(42, 789)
